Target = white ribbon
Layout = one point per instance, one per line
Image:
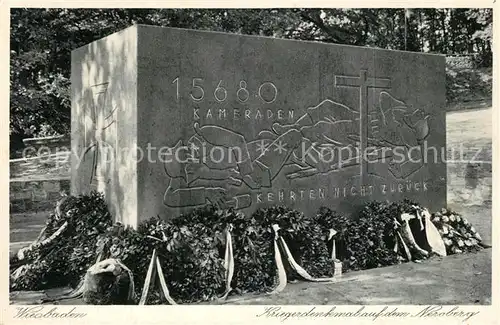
(163, 283)
(332, 233)
(228, 262)
(434, 239)
(279, 264)
(303, 273)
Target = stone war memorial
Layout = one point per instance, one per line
(166, 120)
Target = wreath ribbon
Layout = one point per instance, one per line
(279, 263)
(297, 268)
(228, 262)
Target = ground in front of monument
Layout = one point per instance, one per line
(404, 284)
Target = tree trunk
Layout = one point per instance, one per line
(432, 30)
(444, 46)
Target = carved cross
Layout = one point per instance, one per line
(97, 123)
(363, 82)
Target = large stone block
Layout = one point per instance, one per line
(249, 122)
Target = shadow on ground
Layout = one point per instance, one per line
(458, 279)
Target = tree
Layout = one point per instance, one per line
(483, 33)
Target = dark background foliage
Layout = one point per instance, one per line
(41, 41)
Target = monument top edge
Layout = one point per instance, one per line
(145, 26)
(121, 31)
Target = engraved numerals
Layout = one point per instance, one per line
(221, 91)
(198, 90)
(267, 91)
(242, 92)
(176, 82)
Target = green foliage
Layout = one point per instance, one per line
(66, 260)
(255, 270)
(468, 85)
(367, 241)
(36, 277)
(328, 219)
(252, 246)
(189, 256)
(304, 238)
(191, 247)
